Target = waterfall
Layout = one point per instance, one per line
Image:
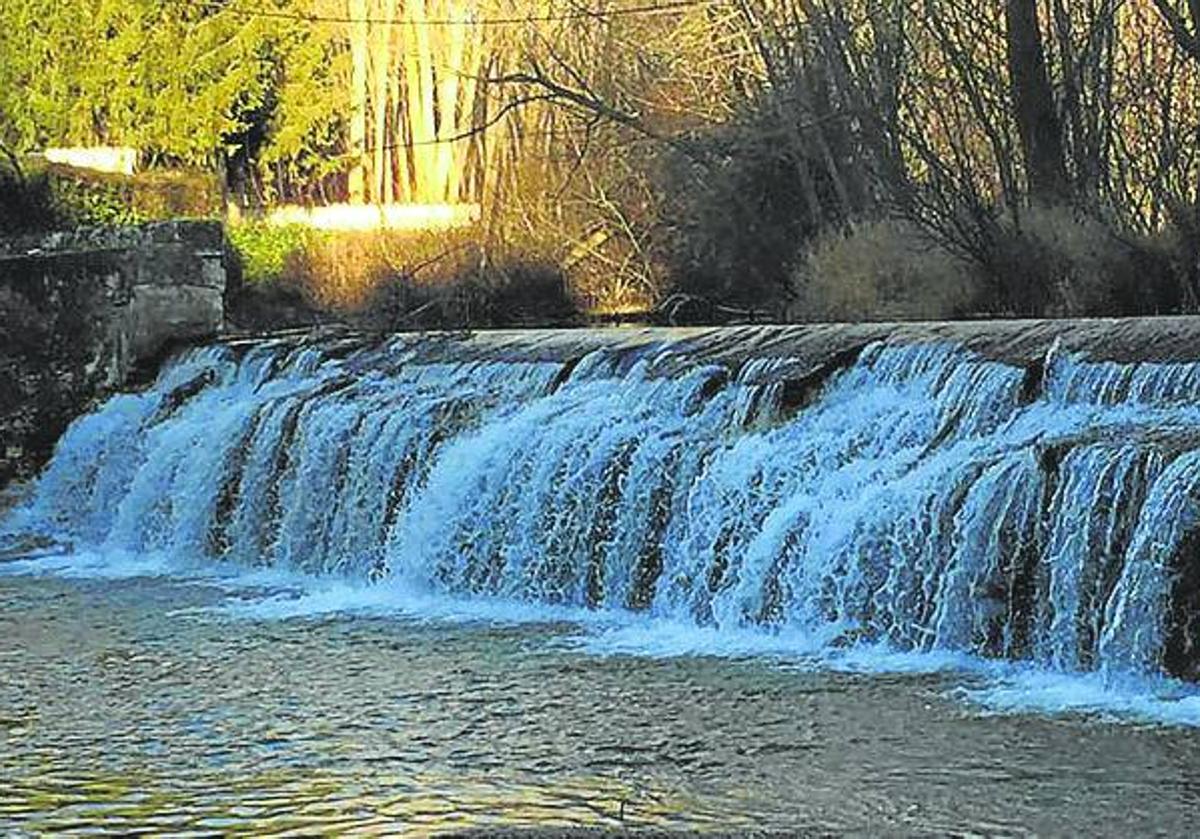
(918, 495)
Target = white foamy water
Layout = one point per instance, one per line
(921, 512)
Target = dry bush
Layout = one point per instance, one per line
(591, 217)
(601, 255)
(881, 270)
(1058, 261)
(1050, 261)
(343, 271)
(496, 296)
(401, 280)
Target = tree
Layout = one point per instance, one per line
(421, 114)
(1186, 34)
(359, 56)
(181, 82)
(1033, 103)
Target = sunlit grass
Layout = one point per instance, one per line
(376, 217)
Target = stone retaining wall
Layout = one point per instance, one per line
(82, 311)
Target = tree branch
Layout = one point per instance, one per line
(14, 160)
(579, 98)
(1187, 39)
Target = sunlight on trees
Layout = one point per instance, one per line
(645, 143)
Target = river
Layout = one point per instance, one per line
(720, 580)
(204, 706)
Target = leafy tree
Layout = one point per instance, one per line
(180, 81)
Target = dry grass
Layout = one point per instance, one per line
(537, 280)
(881, 270)
(1059, 262)
(393, 279)
(345, 271)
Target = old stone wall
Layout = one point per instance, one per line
(83, 311)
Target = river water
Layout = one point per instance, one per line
(451, 585)
(221, 704)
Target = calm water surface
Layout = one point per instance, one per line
(141, 703)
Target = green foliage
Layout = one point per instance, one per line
(303, 125)
(59, 198)
(173, 193)
(264, 251)
(87, 203)
(182, 82)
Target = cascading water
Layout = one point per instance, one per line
(921, 497)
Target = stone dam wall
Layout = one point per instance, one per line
(83, 312)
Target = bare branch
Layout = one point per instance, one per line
(1188, 39)
(14, 160)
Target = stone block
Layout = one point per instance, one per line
(80, 310)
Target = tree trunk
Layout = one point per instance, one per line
(421, 99)
(1187, 37)
(1033, 103)
(381, 67)
(452, 50)
(360, 51)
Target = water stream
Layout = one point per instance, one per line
(999, 538)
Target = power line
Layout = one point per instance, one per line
(578, 14)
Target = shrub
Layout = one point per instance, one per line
(174, 193)
(343, 271)
(521, 293)
(442, 279)
(596, 229)
(391, 280)
(263, 251)
(516, 295)
(1058, 261)
(736, 218)
(90, 199)
(88, 202)
(27, 204)
(743, 200)
(881, 270)
(60, 197)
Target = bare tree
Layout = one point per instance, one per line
(1187, 37)
(359, 56)
(1033, 103)
(1186, 33)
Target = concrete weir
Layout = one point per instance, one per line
(799, 352)
(82, 312)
